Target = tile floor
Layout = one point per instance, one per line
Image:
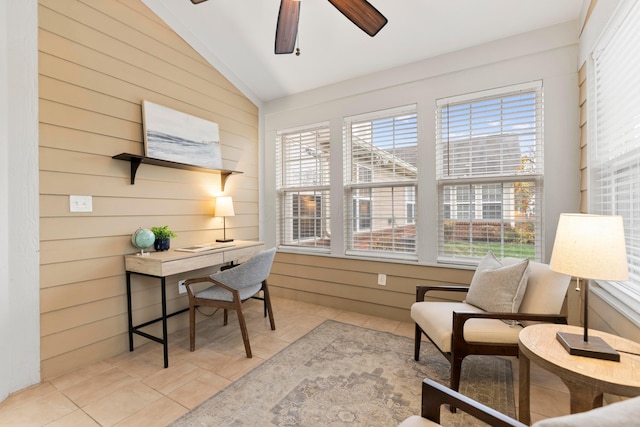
(132, 389)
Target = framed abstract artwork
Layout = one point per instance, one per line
(179, 137)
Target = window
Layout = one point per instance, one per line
(489, 171)
(303, 187)
(380, 182)
(614, 148)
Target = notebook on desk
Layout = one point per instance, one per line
(205, 247)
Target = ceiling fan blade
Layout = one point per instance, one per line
(287, 28)
(362, 13)
(197, 1)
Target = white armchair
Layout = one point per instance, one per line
(459, 329)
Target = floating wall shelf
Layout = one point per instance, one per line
(136, 160)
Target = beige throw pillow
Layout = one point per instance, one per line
(496, 287)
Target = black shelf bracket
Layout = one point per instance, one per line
(136, 161)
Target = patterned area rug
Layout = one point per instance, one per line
(345, 375)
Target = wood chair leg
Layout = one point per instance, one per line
(243, 329)
(226, 317)
(268, 308)
(192, 328)
(418, 339)
(456, 369)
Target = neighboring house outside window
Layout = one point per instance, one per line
(303, 187)
(380, 182)
(489, 171)
(613, 162)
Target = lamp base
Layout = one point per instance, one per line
(595, 348)
(224, 240)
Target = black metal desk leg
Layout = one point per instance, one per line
(165, 339)
(129, 312)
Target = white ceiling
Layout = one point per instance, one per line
(237, 36)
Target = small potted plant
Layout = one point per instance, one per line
(163, 236)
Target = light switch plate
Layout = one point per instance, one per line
(80, 204)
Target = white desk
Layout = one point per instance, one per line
(167, 263)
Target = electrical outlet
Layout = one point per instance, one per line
(181, 287)
(80, 203)
(382, 279)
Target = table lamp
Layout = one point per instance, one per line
(589, 247)
(224, 208)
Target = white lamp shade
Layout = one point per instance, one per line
(590, 247)
(224, 206)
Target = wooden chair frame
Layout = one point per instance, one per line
(434, 395)
(236, 305)
(460, 348)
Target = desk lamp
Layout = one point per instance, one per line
(224, 208)
(589, 247)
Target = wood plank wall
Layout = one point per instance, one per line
(351, 284)
(97, 61)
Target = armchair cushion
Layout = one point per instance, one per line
(625, 413)
(436, 319)
(496, 287)
(417, 421)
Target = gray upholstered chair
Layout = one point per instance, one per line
(459, 329)
(434, 395)
(231, 287)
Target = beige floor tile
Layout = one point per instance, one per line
(307, 321)
(265, 346)
(83, 374)
(549, 402)
(96, 388)
(138, 349)
(175, 376)
(211, 357)
(145, 364)
(197, 391)
(290, 332)
(352, 318)
(77, 418)
(122, 403)
(236, 366)
(27, 395)
(380, 324)
(38, 412)
(158, 414)
(325, 312)
(405, 329)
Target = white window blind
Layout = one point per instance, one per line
(303, 187)
(489, 167)
(614, 149)
(380, 182)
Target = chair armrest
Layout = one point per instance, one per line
(435, 394)
(189, 282)
(421, 290)
(463, 316)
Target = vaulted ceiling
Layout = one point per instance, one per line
(237, 36)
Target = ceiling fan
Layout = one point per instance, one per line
(360, 12)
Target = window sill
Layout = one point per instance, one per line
(617, 304)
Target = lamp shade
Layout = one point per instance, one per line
(590, 247)
(224, 206)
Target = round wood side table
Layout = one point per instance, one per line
(586, 378)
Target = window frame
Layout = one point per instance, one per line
(294, 183)
(383, 187)
(451, 172)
